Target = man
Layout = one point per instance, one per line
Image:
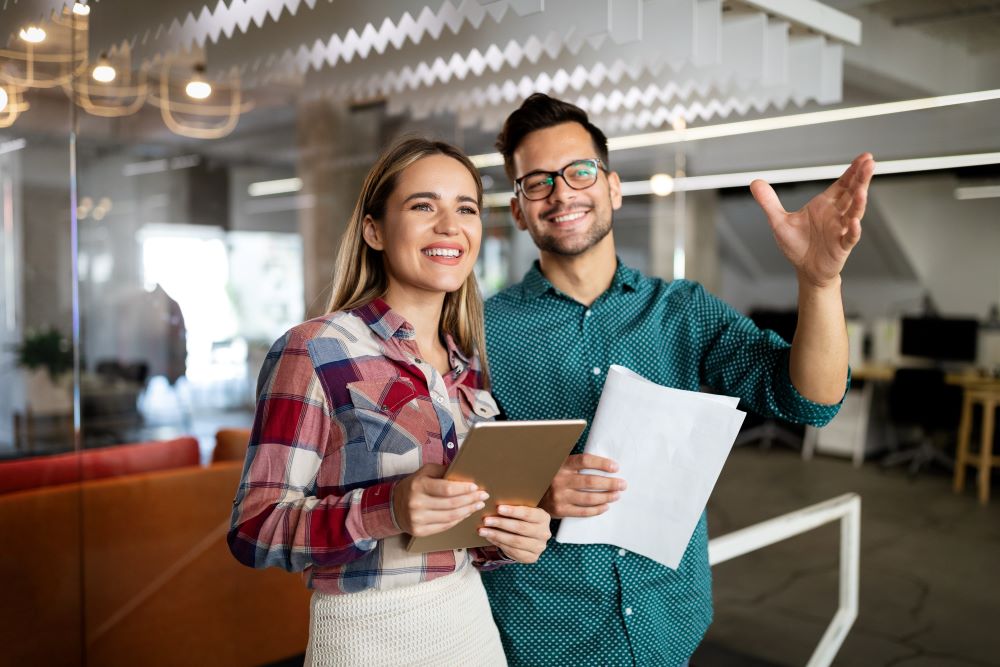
(552, 337)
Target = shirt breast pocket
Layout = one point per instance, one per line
(477, 405)
(390, 415)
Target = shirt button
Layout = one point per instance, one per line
(588, 313)
(628, 611)
(418, 360)
(439, 399)
(451, 445)
(622, 552)
(597, 371)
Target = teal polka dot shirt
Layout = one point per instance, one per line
(548, 354)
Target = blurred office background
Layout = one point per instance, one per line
(174, 179)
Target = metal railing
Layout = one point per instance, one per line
(847, 510)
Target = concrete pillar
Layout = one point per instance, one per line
(694, 242)
(337, 146)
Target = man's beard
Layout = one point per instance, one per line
(571, 247)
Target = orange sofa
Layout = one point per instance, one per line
(135, 569)
(39, 471)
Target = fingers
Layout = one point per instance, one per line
(590, 462)
(425, 529)
(857, 175)
(522, 532)
(429, 501)
(425, 505)
(578, 494)
(446, 488)
(590, 498)
(427, 521)
(561, 505)
(852, 234)
(768, 200)
(521, 519)
(586, 482)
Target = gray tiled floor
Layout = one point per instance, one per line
(930, 567)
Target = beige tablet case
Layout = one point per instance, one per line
(514, 461)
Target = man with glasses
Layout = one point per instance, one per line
(552, 337)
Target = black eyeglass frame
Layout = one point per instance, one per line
(519, 188)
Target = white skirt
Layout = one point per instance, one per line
(446, 621)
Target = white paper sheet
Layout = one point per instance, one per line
(670, 446)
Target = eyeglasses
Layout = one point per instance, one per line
(579, 175)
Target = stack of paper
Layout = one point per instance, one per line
(670, 446)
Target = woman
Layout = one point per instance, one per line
(358, 414)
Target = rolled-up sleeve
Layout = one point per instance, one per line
(740, 359)
(280, 516)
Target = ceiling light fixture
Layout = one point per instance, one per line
(103, 71)
(197, 88)
(4, 98)
(276, 187)
(12, 145)
(661, 185)
(796, 175)
(977, 192)
(81, 8)
(774, 123)
(32, 34)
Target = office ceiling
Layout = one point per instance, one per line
(635, 64)
(973, 23)
(455, 68)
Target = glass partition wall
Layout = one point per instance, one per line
(148, 260)
(41, 566)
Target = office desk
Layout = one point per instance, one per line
(848, 433)
(965, 378)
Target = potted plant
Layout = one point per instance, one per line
(47, 359)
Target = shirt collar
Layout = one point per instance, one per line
(535, 283)
(456, 358)
(387, 323)
(384, 321)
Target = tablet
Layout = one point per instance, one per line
(513, 461)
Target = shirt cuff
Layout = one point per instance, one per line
(376, 511)
(489, 558)
(803, 410)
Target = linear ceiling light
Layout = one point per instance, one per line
(278, 187)
(774, 123)
(977, 192)
(164, 164)
(12, 145)
(797, 175)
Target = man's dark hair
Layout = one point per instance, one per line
(538, 112)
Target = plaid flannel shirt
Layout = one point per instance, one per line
(345, 409)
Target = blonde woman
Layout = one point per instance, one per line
(358, 414)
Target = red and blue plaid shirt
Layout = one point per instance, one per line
(345, 409)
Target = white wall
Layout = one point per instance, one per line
(954, 246)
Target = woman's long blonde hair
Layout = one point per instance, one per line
(360, 277)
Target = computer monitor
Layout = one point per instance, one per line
(939, 338)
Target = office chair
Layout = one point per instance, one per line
(919, 398)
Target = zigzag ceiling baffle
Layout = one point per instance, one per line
(633, 63)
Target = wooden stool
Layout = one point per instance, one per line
(989, 399)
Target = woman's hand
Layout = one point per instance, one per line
(521, 532)
(424, 504)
